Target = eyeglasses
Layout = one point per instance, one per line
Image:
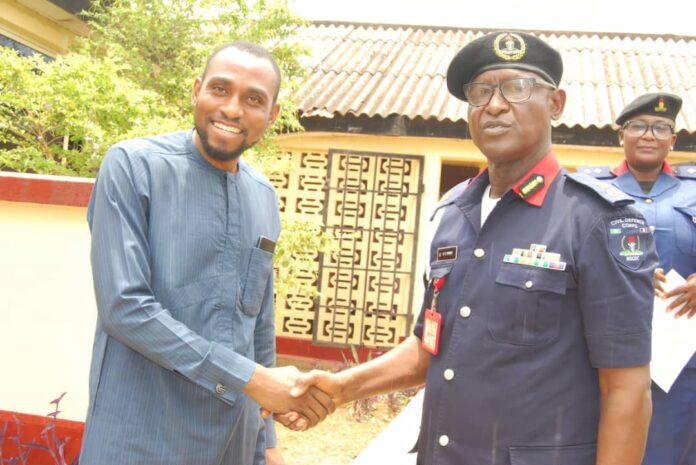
(514, 90)
(639, 128)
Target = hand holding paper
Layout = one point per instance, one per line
(673, 339)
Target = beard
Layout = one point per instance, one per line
(216, 153)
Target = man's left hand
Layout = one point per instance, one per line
(686, 296)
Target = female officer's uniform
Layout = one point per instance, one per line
(670, 210)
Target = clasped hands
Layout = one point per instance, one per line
(298, 400)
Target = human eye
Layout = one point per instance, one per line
(516, 88)
(255, 100)
(218, 89)
(478, 93)
(662, 129)
(637, 126)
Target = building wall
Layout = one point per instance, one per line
(46, 308)
(40, 25)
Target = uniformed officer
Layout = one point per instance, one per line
(666, 196)
(534, 335)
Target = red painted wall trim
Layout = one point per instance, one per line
(51, 190)
(292, 347)
(30, 429)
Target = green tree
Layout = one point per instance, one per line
(132, 76)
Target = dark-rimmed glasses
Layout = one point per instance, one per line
(635, 128)
(514, 90)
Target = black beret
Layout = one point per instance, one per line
(658, 104)
(503, 50)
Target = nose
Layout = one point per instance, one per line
(648, 134)
(497, 104)
(232, 108)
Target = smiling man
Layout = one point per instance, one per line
(183, 234)
(534, 335)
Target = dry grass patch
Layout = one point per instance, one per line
(343, 435)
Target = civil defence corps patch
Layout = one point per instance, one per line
(629, 240)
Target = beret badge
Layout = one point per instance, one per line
(509, 46)
(661, 108)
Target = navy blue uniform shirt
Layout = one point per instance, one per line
(670, 210)
(556, 284)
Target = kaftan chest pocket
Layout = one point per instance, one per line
(259, 270)
(526, 306)
(685, 229)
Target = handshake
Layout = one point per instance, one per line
(298, 400)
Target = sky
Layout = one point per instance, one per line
(637, 16)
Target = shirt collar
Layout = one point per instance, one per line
(623, 168)
(535, 184)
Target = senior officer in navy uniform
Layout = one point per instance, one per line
(534, 335)
(666, 196)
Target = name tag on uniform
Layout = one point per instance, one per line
(431, 331)
(447, 253)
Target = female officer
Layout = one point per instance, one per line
(666, 196)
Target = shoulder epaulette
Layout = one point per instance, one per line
(599, 172)
(450, 196)
(685, 171)
(611, 194)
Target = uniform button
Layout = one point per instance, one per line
(648, 200)
(652, 228)
(444, 440)
(464, 312)
(478, 253)
(448, 374)
(528, 284)
(220, 389)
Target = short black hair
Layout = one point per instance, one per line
(251, 49)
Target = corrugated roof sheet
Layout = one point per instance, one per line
(383, 70)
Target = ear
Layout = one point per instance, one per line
(196, 90)
(621, 137)
(557, 103)
(674, 141)
(273, 115)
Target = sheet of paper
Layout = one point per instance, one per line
(673, 339)
(392, 445)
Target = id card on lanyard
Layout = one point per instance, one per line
(432, 323)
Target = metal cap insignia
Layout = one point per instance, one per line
(513, 46)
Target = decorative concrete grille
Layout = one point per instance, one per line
(371, 203)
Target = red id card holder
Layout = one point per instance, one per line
(431, 331)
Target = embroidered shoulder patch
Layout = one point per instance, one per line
(629, 240)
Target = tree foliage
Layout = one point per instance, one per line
(132, 76)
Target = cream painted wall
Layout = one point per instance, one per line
(47, 310)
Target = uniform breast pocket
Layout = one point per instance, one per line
(685, 229)
(526, 307)
(259, 270)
